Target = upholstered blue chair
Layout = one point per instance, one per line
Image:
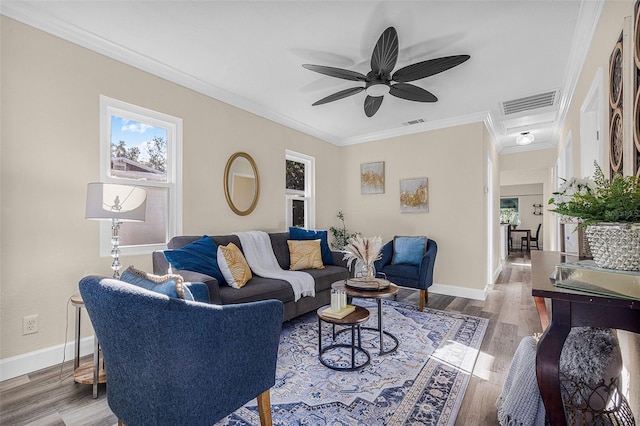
(414, 270)
(176, 362)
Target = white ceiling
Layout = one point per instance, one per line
(250, 54)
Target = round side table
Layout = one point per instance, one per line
(89, 372)
(353, 320)
(390, 290)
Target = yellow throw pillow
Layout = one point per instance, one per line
(305, 254)
(233, 265)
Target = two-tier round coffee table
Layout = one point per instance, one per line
(389, 289)
(353, 320)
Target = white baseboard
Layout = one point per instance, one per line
(496, 273)
(37, 360)
(452, 290)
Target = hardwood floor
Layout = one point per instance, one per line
(50, 397)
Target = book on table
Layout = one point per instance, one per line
(339, 314)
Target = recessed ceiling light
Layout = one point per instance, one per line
(525, 138)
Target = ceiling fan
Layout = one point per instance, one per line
(378, 82)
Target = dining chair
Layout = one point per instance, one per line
(533, 239)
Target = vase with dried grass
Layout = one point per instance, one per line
(364, 251)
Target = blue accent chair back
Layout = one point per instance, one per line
(414, 276)
(177, 362)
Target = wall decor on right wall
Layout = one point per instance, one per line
(414, 195)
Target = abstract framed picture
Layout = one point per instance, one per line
(414, 195)
(372, 178)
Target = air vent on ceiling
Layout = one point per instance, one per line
(527, 103)
(418, 121)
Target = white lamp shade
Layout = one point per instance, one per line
(113, 201)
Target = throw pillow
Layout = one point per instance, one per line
(409, 250)
(309, 234)
(199, 256)
(233, 265)
(171, 285)
(305, 254)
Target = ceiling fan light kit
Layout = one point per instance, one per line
(378, 82)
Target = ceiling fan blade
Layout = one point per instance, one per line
(339, 95)
(412, 93)
(372, 104)
(336, 72)
(385, 54)
(427, 68)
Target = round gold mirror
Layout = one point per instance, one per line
(241, 183)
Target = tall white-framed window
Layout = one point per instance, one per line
(142, 147)
(299, 190)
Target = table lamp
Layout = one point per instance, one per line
(118, 203)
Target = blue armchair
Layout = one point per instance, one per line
(418, 276)
(171, 361)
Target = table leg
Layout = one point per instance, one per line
(379, 300)
(319, 337)
(76, 359)
(96, 365)
(353, 346)
(548, 360)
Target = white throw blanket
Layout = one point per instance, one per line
(257, 249)
(520, 402)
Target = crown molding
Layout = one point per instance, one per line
(586, 25)
(416, 128)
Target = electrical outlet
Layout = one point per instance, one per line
(30, 324)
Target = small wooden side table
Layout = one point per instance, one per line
(89, 372)
(391, 290)
(353, 320)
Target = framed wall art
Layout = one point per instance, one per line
(372, 178)
(414, 195)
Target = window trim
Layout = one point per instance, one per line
(109, 107)
(308, 195)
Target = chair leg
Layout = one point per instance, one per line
(424, 298)
(264, 408)
(120, 423)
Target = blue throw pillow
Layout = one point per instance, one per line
(199, 256)
(309, 234)
(409, 250)
(170, 285)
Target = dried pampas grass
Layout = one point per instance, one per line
(367, 250)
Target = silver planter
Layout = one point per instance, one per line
(615, 245)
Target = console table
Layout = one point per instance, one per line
(569, 308)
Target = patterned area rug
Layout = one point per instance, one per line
(422, 383)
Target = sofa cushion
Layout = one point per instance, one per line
(310, 234)
(259, 288)
(305, 254)
(233, 265)
(171, 285)
(408, 250)
(198, 256)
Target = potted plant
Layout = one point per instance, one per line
(610, 211)
(341, 235)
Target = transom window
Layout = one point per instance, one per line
(140, 147)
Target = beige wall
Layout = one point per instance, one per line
(453, 160)
(50, 151)
(610, 25)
